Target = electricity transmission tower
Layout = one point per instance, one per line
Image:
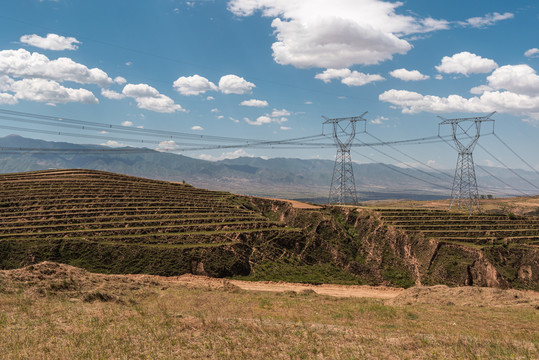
(464, 194)
(343, 186)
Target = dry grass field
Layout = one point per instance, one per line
(60, 312)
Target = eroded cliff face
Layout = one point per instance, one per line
(359, 242)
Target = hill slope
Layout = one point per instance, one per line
(121, 224)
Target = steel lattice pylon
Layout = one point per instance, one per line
(464, 193)
(343, 185)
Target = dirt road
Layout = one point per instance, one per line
(378, 292)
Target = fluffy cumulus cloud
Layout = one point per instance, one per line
(22, 63)
(167, 145)
(120, 80)
(227, 155)
(111, 94)
(520, 79)
(149, 98)
(512, 89)
(51, 42)
(197, 128)
(8, 99)
(233, 84)
(51, 92)
(379, 120)
(41, 90)
(408, 75)
(466, 63)
(276, 117)
(487, 20)
(254, 103)
(336, 34)
(348, 77)
(193, 85)
(534, 52)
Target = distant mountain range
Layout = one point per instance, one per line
(277, 177)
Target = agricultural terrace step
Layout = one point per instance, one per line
(478, 233)
(192, 237)
(462, 222)
(133, 223)
(188, 228)
(490, 240)
(127, 212)
(445, 218)
(126, 219)
(117, 200)
(89, 182)
(404, 210)
(89, 188)
(93, 205)
(481, 226)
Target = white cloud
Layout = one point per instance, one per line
(227, 155)
(408, 75)
(209, 98)
(276, 116)
(478, 90)
(233, 84)
(120, 80)
(51, 92)
(534, 52)
(254, 103)
(280, 113)
(338, 33)
(129, 63)
(466, 63)
(214, 110)
(127, 123)
(111, 94)
(21, 63)
(149, 98)
(236, 120)
(193, 85)
(8, 99)
(379, 120)
(438, 77)
(505, 102)
(112, 143)
(348, 77)
(220, 117)
(487, 20)
(308, 102)
(285, 128)
(5, 83)
(520, 79)
(51, 42)
(197, 128)
(167, 145)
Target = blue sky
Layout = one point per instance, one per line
(269, 69)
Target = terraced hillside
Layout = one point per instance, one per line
(490, 249)
(113, 223)
(458, 227)
(116, 223)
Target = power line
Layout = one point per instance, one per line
(517, 155)
(410, 157)
(402, 172)
(503, 164)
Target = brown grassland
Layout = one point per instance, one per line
(61, 312)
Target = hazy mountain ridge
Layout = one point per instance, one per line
(277, 177)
